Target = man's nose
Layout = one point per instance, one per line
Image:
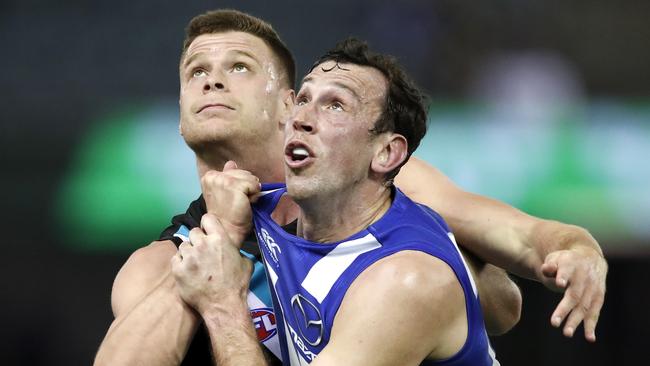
(214, 82)
(302, 120)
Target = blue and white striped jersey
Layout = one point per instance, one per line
(309, 280)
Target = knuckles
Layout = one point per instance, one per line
(216, 178)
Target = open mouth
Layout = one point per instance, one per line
(297, 154)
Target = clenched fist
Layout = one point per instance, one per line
(209, 269)
(228, 195)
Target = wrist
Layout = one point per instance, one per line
(586, 243)
(227, 308)
(237, 233)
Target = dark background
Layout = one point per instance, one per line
(63, 63)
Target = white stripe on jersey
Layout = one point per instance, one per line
(182, 237)
(264, 193)
(295, 359)
(495, 362)
(469, 273)
(327, 270)
(272, 274)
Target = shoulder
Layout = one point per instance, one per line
(140, 273)
(405, 296)
(408, 282)
(411, 275)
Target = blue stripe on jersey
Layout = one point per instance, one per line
(183, 232)
(258, 284)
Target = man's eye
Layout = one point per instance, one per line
(336, 106)
(301, 101)
(198, 73)
(239, 68)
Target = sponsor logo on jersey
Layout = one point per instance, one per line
(264, 321)
(269, 242)
(308, 319)
(297, 340)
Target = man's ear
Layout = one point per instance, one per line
(392, 152)
(287, 99)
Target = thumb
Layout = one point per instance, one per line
(230, 165)
(549, 269)
(550, 265)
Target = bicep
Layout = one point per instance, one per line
(388, 306)
(140, 274)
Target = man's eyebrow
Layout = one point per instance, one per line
(246, 54)
(191, 59)
(339, 84)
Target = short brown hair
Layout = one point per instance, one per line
(404, 108)
(228, 20)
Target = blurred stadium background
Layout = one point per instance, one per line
(542, 104)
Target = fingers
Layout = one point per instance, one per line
(549, 267)
(583, 281)
(229, 165)
(558, 266)
(209, 223)
(573, 296)
(563, 275)
(212, 225)
(591, 319)
(564, 308)
(232, 179)
(254, 197)
(183, 258)
(576, 316)
(184, 249)
(197, 237)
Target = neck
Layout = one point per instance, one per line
(262, 160)
(334, 216)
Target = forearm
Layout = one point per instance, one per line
(496, 232)
(233, 337)
(511, 239)
(156, 331)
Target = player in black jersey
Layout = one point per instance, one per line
(237, 80)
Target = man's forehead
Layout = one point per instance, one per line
(361, 79)
(229, 41)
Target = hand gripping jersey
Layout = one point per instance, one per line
(309, 280)
(259, 297)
